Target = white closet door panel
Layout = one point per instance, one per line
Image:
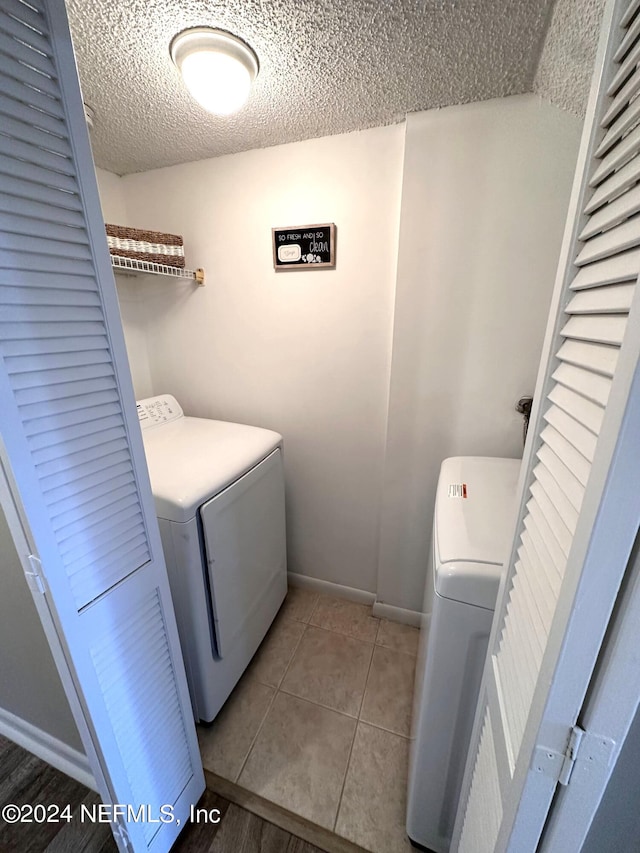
(73, 443)
(615, 185)
(622, 267)
(572, 458)
(614, 240)
(614, 213)
(590, 352)
(484, 812)
(612, 299)
(599, 329)
(592, 386)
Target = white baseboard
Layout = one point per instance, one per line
(360, 596)
(397, 614)
(55, 752)
(383, 611)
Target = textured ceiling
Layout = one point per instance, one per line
(567, 60)
(326, 66)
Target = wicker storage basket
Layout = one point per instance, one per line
(154, 246)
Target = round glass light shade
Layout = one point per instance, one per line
(217, 68)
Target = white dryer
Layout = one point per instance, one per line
(218, 489)
(474, 513)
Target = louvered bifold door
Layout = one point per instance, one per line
(579, 504)
(72, 447)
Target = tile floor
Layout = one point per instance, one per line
(319, 723)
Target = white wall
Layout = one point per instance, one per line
(304, 353)
(484, 199)
(132, 306)
(30, 687)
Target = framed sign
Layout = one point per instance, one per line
(304, 247)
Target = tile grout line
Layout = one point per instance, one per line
(273, 699)
(355, 732)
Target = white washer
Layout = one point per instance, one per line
(218, 489)
(474, 512)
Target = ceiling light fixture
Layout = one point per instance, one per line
(218, 68)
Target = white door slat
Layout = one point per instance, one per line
(56, 198)
(546, 568)
(560, 534)
(64, 410)
(67, 496)
(529, 664)
(621, 100)
(613, 213)
(49, 426)
(561, 504)
(584, 411)
(40, 61)
(49, 330)
(23, 112)
(31, 365)
(78, 477)
(33, 211)
(483, 811)
(93, 458)
(74, 526)
(17, 243)
(609, 299)
(564, 477)
(50, 314)
(105, 553)
(11, 147)
(537, 508)
(27, 13)
(65, 512)
(23, 226)
(24, 94)
(47, 448)
(528, 619)
(15, 27)
(615, 185)
(74, 547)
(17, 129)
(87, 589)
(626, 68)
(36, 174)
(618, 156)
(629, 12)
(598, 358)
(617, 239)
(62, 375)
(590, 385)
(39, 296)
(625, 121)
(50, 346)
(32, 262)
(11, 67)
(599, 328)
(622, 267)
(515, 629)
(41, 280)
(628, 41)
(63, 395)
(112, 514)
(572, 458)
(545, 600)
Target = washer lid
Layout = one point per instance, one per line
(474, 516)
(192, 459)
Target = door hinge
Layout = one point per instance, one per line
(558, 765)
(35, 578)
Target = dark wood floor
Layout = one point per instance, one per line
(25, 779)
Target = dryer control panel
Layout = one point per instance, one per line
(158, 410)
